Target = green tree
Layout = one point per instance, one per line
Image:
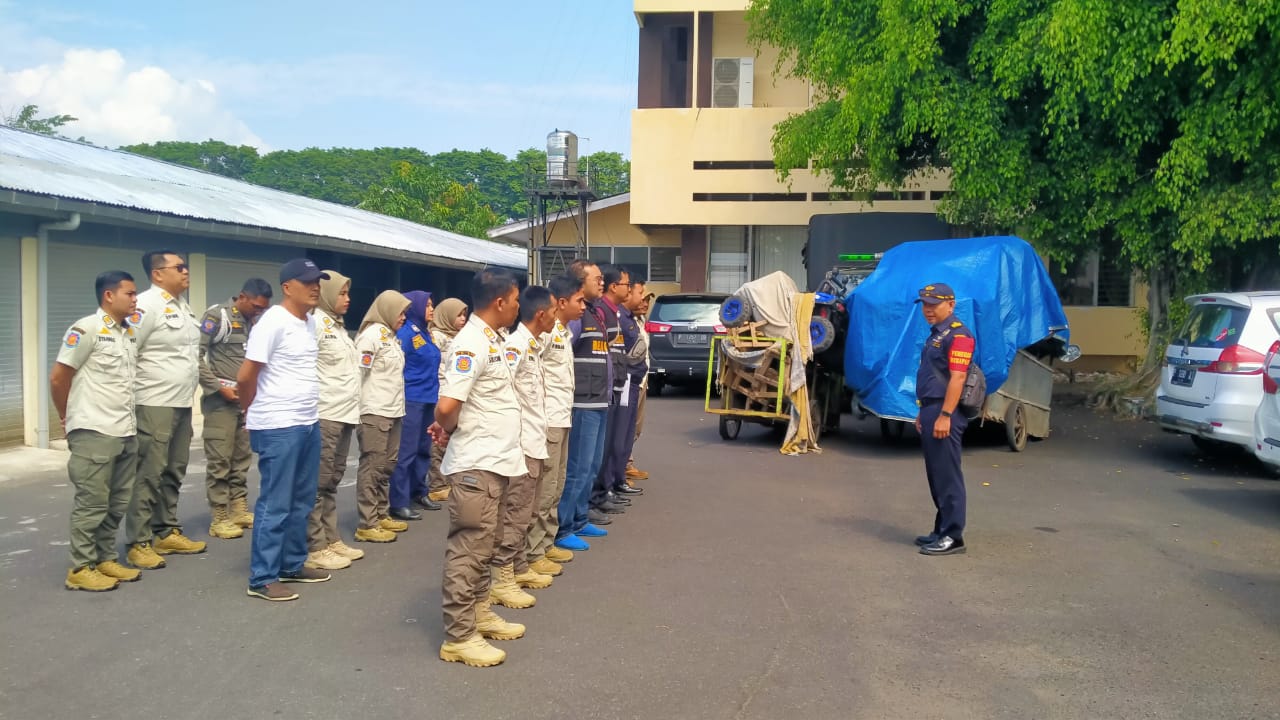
(422, 194)
(339, 175)
(1145, 124)
(610, 173)
(28, 118)
(235, 161)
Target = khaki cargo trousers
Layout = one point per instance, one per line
(545, 520)
(164, 448)
(379, 452)
(227, 453)
(101, 468)
(335, 446)
(475, 509)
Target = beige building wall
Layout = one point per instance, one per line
(729, 39)
(611, 227)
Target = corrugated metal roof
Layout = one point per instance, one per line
(67, 169)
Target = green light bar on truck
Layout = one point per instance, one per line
(859, 257)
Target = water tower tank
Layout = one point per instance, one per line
(562, 159)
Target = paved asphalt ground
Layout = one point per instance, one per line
(1112, 573)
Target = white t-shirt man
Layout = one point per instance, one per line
(288, 386)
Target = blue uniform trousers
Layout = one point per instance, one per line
(409, 479)
(942, 466)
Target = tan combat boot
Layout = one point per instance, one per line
(474, 651)
(504, 590)
(544, 566)
(89, 579)
(176, 542)
(493, 627)
(439, 495)
(377, 535)
(635, 473)
(144, 556)
(240, 514)
(326, 559)
(116, 571)
(559, 555)
(346, 551)
(393, 525)
(220, 525)
(533, 579)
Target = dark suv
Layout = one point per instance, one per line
(681, 327)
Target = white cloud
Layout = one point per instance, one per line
(120, 104)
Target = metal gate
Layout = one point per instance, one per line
(11, 421)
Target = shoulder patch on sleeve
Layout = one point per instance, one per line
(209, 326)
(73, 336)
(462, 361)
(366, 359)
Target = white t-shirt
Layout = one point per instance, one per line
(488, 432)
(288, 386)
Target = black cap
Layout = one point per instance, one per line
(303, 270)
(936, 293)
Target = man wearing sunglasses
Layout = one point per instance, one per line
(167, 375)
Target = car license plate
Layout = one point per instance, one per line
(1184, 376)
(691, 338)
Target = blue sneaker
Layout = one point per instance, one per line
(590, 530)
(572, 542)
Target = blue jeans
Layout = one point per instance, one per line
(289, 462)
(586, 450)
(409, 479)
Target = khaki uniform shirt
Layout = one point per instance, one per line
(382, 372)
(168, 350)
(557, 370)
(524, 356)
(220, 360)
(488, 432)
(104, 355)
(338, 366)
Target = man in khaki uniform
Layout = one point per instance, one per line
(523, 353)
(224, 329)
(557, 369)
(478, 408)
(92, 388)
(168, 372)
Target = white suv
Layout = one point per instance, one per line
(1211, 383)
(1266, 424)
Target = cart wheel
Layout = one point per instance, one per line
(816, 417)
(735, 311)
(891, 430)
(822, 334)
(1015, 426)
(730, 427)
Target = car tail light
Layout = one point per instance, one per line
(721, 330)
(657, 328)
(1269, 385)
(1237, 360)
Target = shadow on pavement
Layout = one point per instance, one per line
(1257, 505)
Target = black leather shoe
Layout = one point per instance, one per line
(944, 545)
(595, 517)
(616, 499)
(427, 503)
(628, 490)
(608, 507)
(929, 539)
(405, 514)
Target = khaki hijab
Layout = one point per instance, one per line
(386, 309)
(446, 318)
(329, 291)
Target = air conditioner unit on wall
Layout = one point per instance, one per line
(732, 82)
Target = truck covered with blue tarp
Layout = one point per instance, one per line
(1003, 293)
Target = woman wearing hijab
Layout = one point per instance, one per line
(421, 390)
(448, 318)
(338, 368)
(381, 413)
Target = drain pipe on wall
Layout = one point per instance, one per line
(42, 325)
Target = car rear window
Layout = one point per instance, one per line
(703, 312)
(1213, 326)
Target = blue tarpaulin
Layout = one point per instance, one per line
(1003, 293)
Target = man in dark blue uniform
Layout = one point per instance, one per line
(944, 363)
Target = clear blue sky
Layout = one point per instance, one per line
(290, 74)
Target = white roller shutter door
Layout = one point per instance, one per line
(11, 422)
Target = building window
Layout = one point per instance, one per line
(664, 264)
(729, 259)
(652, 264)
(779, 247)
(1094, 280)
(634, 259)
(553, 261)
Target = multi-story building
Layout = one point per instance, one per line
(707, 210)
